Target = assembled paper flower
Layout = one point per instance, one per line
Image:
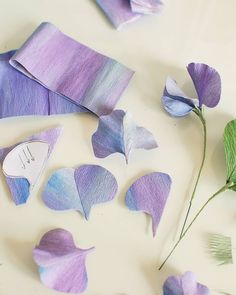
(207, 83)
(118, 133)
(184, 285)
(61, 263)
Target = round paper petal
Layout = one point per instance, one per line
(207, 83)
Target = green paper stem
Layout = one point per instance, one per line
(199, 113)
(224, 188)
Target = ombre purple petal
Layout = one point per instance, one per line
(207, 83)
(21, 188)
(69, 68)
(61, 263)
(119, 12)
(146, 6)
(184, 285)
(118, 133)
(80, 188)
(149, 194)
(175, 101)
(22, 96)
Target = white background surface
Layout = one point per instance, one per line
(126, 256)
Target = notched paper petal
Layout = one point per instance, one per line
(184, 285)
(230, 151)
(118, 133)
(119, 12)
(80, 188)
(146, 6)
(175, 101)
(66, 67)
(207, 83)
(61, 263)
(23, 163)
(149, 194)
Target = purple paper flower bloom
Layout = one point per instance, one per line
(118, 133)
(61, 263)
(207, 83)
(184, 285)
(149, 194)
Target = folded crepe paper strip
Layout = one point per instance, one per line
(23, 163)
(69, 68)
(79, 188)
(118, 133)
(184, 285)
(207, 83)
(22, 96)
(149, 194)
(61, 263)
(121, 12)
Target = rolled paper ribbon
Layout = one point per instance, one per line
(71, 69)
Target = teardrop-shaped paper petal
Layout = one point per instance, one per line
(230, 150)
(207, 83)
(184, 285)
(71, 69)
(24, 162)
(61, 263)
(118, 133)
(119, 12)
(175, 101)
(149, 194)
(80, 188)
(22, 96)
(146, 6)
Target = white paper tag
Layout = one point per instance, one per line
(26, 160)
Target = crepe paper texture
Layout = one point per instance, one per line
(221, 248)
(79, 188)
(149, 194)
(22, 96)
(122, 12)
(207, 84)
(61, 264)
(184, 285)
(24, 162)
(118, 133)
(69, 68)
(146, 6)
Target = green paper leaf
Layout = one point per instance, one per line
(230, 151)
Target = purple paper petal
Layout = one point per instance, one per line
(61, 263)
(149, 194)
(184, 285)
(117, 133)
(207, 83)
(22, 96)
(146, 6)
(118, 12)
(21, 187)
(80, 188)
(175, 101)
(71, 69)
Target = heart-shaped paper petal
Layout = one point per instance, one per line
(61, 263)
(207, 83)
(149, 194)
(118, 133)
(24, 162)
(184, 285)
(80, 188)
(175, 101)
(146, 6)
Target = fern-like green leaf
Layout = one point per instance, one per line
(220, 247)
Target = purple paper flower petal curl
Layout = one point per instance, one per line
(146, 6)
(149, 194)
(184, 285)
(61, 263)
(207, 83)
